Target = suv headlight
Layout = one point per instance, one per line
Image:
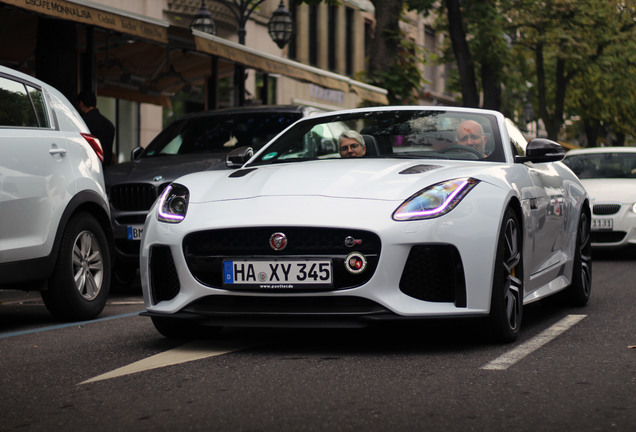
(173, 204)
(435, 200)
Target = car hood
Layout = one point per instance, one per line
(382, 179)
(162, 168)
(615, 190)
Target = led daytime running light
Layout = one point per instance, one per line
(163, 213)
(460, 188)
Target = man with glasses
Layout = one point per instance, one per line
(351, 144)
(470, 133)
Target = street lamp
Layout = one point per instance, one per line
(203, 21)
(281, 26)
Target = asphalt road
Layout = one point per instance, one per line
(572, 369)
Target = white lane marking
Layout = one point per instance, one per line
(196, 350)
(511, 357)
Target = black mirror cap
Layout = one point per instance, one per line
(542, 150)
(135, 153)
(237, 157)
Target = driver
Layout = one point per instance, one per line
(470, 133)
(351, 144)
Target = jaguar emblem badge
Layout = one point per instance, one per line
(278, 241)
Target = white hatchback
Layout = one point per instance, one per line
(54, 216)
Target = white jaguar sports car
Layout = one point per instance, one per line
(375, 214)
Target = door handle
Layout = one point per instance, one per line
(55, 150)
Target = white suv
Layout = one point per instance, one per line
(55, 230)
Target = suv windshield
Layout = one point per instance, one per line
(219, 133)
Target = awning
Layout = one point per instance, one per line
(271, 64)
(99, 15)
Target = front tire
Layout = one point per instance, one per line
(578, 293)
(506, 303)
(79, 286)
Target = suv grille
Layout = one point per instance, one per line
(135, 197)
(205, 251)
(606, 209)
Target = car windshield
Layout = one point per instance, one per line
(219, 133)
(602, 165)
(389, 134)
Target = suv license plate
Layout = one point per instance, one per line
(277, 273)
(134, 232)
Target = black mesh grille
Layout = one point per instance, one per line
(606, 209)
(607, 236)
(164, 279)
(434, 273)
(205, 251)
(135, 197)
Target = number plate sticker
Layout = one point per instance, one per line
(134, 232)
(599, 224)
(277, 274)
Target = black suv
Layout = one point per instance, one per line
(196, 142)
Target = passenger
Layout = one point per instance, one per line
(470, 133)
(351, 144)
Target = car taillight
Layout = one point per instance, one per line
(95, 144)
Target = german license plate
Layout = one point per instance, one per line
(277, 273)
(134, 232)
(599, 224)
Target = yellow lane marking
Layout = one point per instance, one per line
(192, 351)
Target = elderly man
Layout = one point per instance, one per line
(470, 133)
(351, 144)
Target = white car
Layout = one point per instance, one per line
(54, 216)
(419, 227)
(609, 176)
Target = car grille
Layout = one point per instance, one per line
(164, 281)
(135, 197)
(205, 251)
(434, 273)
(606, 209)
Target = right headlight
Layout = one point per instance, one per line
(173, 204)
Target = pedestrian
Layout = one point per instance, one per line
(98, 125)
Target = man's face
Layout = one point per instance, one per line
(470, 134)
(351, 148)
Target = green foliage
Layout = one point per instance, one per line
(403, 78)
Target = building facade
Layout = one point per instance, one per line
(147, 67)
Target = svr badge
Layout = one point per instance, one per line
(355, 263)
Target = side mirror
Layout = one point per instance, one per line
(237, 157)
(136, 153)
(542, 150)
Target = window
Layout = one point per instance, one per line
(332, 45)
(21, 105)
(349, 51)
(313, 35)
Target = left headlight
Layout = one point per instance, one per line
(173, 204)
(434, 201)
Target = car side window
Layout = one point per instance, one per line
(517, 140)
(22, 105)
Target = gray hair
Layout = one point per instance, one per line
(351, 134)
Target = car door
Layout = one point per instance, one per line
(36, 177)
(544, 197)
